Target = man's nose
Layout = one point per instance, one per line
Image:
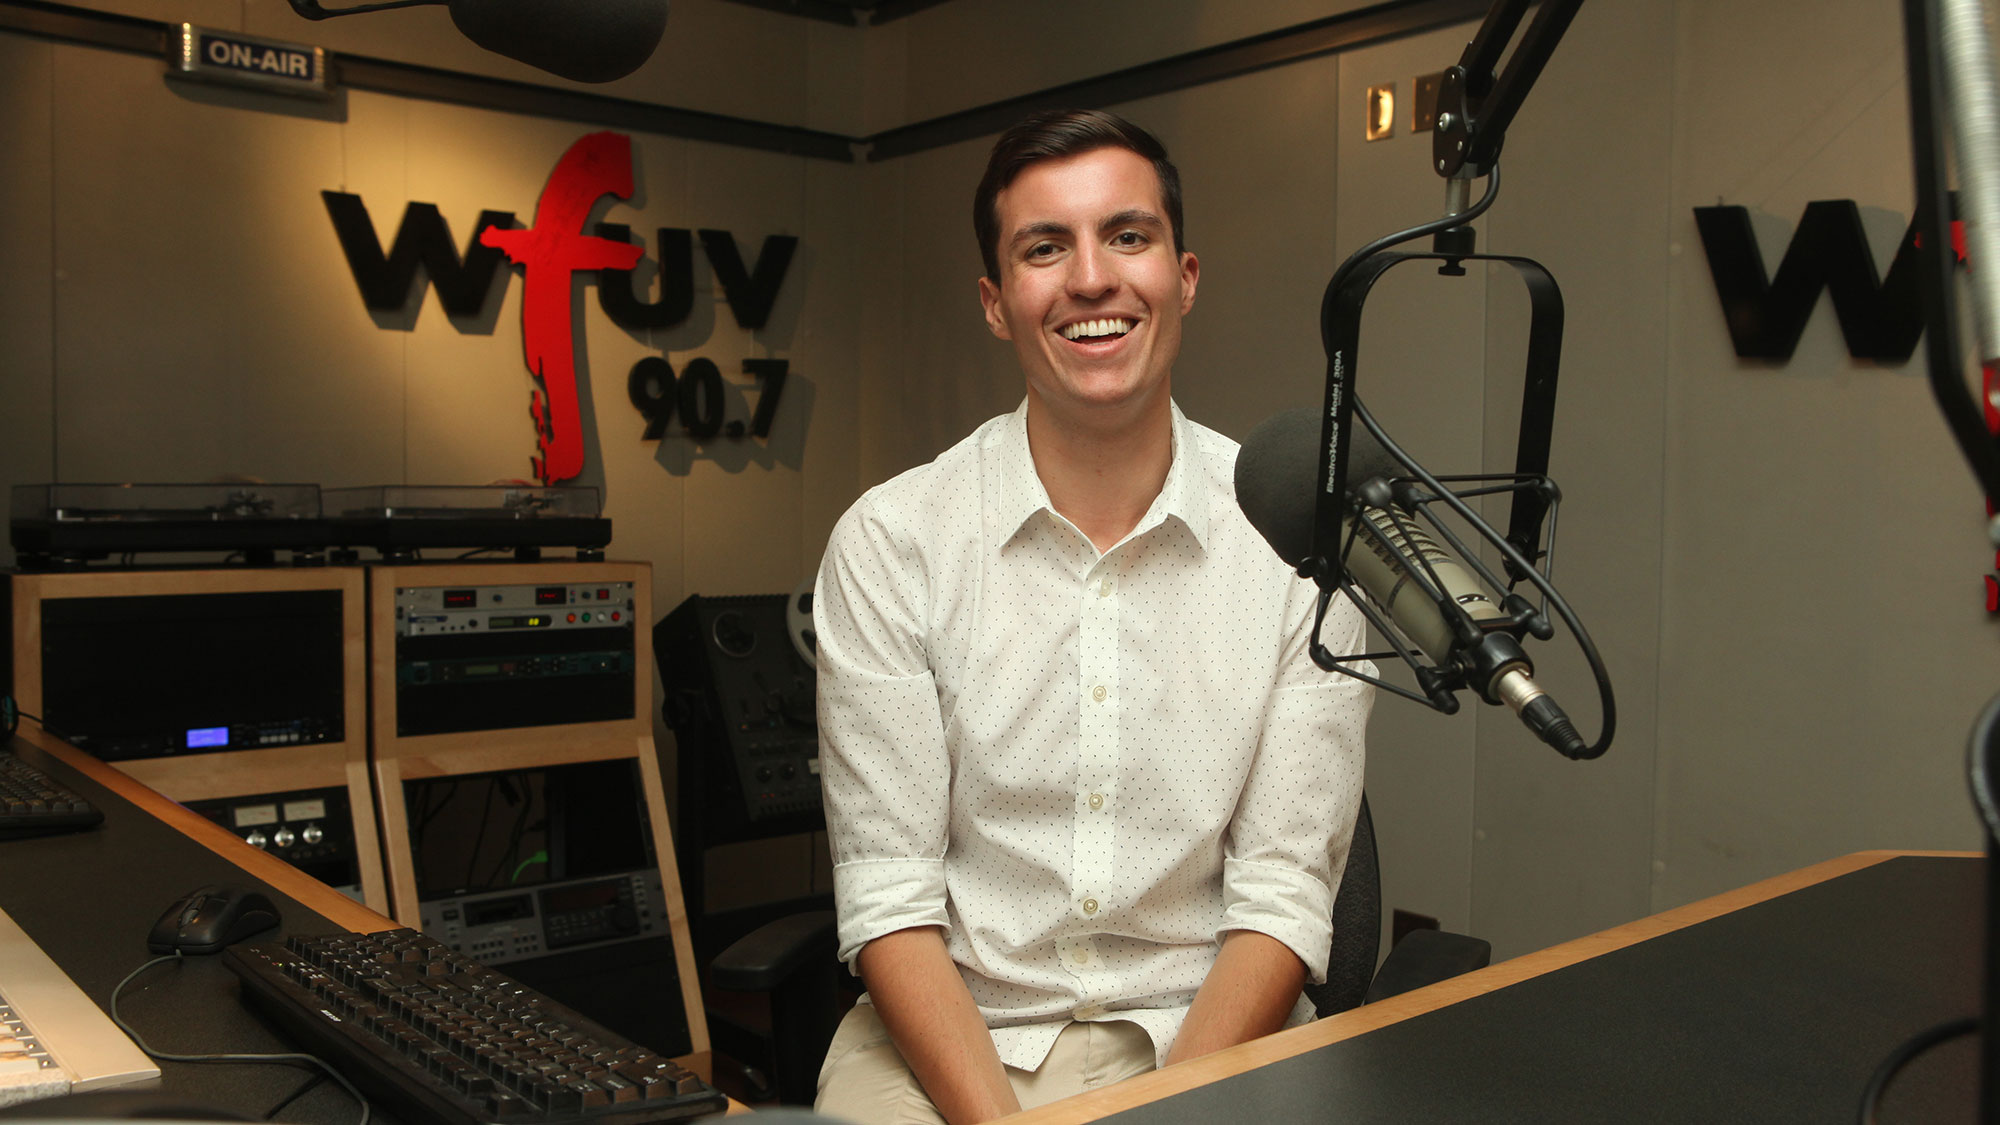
(1093, 274)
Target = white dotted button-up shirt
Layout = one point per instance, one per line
(1084, 767)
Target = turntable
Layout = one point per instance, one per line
(398, 521)
(67, 526)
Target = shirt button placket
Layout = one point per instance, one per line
(1094, 869)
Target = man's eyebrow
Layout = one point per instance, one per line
(1042, 229)
(1132, 217)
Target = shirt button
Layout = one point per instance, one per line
(1104, 587)
(1081, 957)
(1090, 906)
(1097, 693)
(1097, 800)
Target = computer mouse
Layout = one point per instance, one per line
(207, 919)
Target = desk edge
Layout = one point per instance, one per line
(1185, 1076)
(310, 892)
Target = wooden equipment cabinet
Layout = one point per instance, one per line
(400, 758)
(190, 777)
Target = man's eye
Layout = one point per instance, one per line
(1128, 238)
(1042, 249)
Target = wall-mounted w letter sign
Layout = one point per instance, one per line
(1880, 317)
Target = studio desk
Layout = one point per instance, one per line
(89, 898)
(1771, 1003)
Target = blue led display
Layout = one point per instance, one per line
(208, 736)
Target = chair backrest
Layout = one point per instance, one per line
(1357, 925)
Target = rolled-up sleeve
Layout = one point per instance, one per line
(884, 768)
(1287, 844)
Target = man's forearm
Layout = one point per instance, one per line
(1249, 991)
(931, 1017)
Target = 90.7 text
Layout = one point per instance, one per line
(698, 394)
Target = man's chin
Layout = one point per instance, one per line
(1102, 403)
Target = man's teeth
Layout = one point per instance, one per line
(1110, 326)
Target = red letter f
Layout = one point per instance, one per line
(551, 250)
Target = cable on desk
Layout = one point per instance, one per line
(1878, 1083)
(312, 1082)
(164, 1056)
(11, 716)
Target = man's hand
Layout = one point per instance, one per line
(923, 1002)
(1249, 991)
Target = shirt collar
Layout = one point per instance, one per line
(1181, 495)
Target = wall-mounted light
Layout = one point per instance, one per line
(1381, 111)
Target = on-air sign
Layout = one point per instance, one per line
(551, 253)
(233, 59)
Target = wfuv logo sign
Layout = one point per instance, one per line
(550, 253)
(1881, 316)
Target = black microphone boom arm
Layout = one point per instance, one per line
(1474, 106)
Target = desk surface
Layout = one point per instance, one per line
(89, 899)
(1770, 1003)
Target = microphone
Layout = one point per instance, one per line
(1391, 559)
(583, 40)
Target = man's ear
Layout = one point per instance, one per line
(1190, 273)
(989, 298)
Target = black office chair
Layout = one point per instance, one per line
(1422, 957)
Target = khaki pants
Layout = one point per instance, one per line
(865, 1080)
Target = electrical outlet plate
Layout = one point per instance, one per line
(1424, 101)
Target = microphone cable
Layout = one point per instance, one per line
(1555, 600)
(1984, 745)
(1902, 1056)
(1355, 259)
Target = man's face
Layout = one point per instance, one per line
(1091, 291)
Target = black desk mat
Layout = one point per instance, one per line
(89, 899)
(1778, 1012)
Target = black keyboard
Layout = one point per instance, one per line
(33, 804)
(436, 1036)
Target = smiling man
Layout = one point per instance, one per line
(1088, 796)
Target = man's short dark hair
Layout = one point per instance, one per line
(1052, 135)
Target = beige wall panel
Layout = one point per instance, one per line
(374, 163)
(741, 530)
(1029, 45)
(881, 425)
(838, 79)
(27, 269)
(742, 520)
(1257, 160)
(1564, 848)
(195, 281)
(885, 60)
(832, 278)
(951, 373)
(207, 13)
(1420, 361)
(1824, 649)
